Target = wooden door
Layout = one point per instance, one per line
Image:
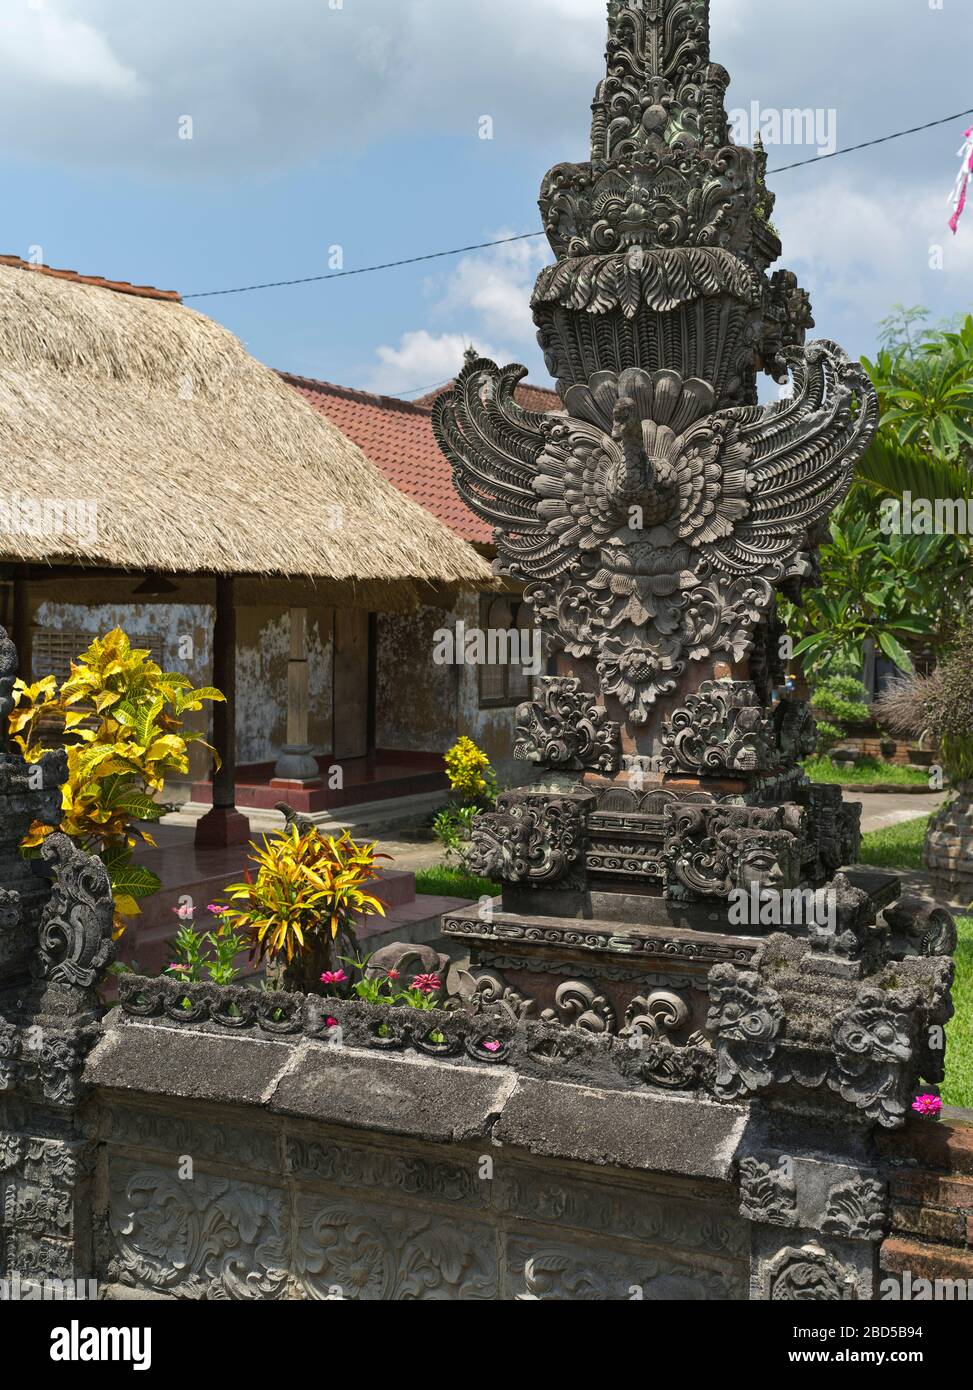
(351, 683)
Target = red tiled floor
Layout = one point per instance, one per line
(381, 776)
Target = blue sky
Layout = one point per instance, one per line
(356, 123)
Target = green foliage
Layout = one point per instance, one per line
(924, 377)
(207, 955)
(452, 825)
(445, 881)
(958, 1087)
(122, 722)
(418, 992)
(842, 699)
(874, 588)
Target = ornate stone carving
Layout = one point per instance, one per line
(649, 528)
(809, 1274)
(205, 1239)
(917, 927)
(654, 1015)
(710, 850)
(533, 840)
(577, 1004)
(857, 1210)
(564, 728)
(75, 942)
(767, 1193)
(746, 1018)
(722, 729)
(350, 1251)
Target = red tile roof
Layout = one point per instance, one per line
(119, 286)
(540, 399)
(397, 437)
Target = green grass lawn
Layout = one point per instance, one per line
(444, 881)
(895, 847)
(958, 1089)
(869, 772)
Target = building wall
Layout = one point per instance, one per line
(425, 706)
(263, 647)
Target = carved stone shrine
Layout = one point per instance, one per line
(651, 874)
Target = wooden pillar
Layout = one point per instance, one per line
(224, 825)
(20, 629)
(297, 766)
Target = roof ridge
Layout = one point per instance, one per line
(98, 281)
(355, 393)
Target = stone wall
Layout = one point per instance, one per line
(227, 1167)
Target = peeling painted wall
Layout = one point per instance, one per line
(263, 648)
(426, 707)
(419, 705)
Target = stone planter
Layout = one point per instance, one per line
(949, 848)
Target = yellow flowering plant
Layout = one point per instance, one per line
(474, 781)
(307, 890)
(469, 771)
(120, 719)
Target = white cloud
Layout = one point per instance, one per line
(496, 286)
(39, 46)
(422, 360)
(486, 297)
(860, 248)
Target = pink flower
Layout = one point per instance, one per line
(333, 977)
(331, 1023)
(176, 966)
(927, 1105)
(184, 912)
(217, 909)
(393, 974)
(492, 1046)
(427, 984)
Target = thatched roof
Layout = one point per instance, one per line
(197, 458)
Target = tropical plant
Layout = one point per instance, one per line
(120, 718)
(422, 991)
(308, 890)
(874, 589)
(474, 782)
(209, 955)
(924, 377)
(843, 700)
(939, 705)
(469, 772)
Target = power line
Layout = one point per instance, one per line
(529, 236)
(870, 144)
(365, 269)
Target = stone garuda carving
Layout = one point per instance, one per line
(563, 727)
(650, 527)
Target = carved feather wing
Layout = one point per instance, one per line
(493, 445)
(802, 455)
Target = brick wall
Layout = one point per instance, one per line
(930, 1170)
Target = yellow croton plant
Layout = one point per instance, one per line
(120, 718)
